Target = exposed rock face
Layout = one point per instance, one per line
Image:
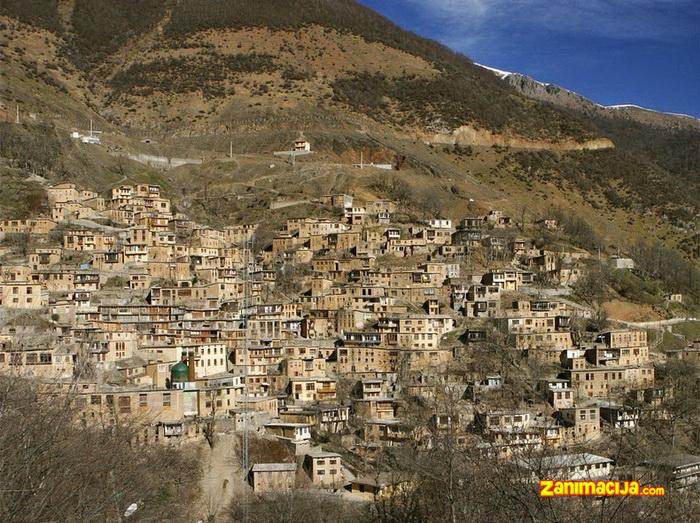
(549, 93)
(467, 135)
(564, 98)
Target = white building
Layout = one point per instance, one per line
(437, 223)
(617, 262)
(572, 467)
(302, 145)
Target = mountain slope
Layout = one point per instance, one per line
(658, 153)
(198, 77)
(207, 49)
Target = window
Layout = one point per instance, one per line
(125, 404)
(143, 400)
(166, 399)
(95, 400)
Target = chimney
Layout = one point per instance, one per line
(190, 367)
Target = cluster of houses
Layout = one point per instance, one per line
(142, 313)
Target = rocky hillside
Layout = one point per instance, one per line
(194, 62)
(564, 98)
(200, 76)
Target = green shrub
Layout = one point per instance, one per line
(634, 288)
(101, 27)
(116, 282)
(42, 13)
(206, 71)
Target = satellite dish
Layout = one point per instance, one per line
(130, 510)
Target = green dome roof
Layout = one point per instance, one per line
(179, 372)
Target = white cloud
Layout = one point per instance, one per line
(622, 19)
(459, 7)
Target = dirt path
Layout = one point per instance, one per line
(290, 203)
(222, 478)
(657, 324)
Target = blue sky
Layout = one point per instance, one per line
(643, 52)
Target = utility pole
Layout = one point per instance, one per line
(17, 117)
(246, 315)
(361, 160)
(230, 149)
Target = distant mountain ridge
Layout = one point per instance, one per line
(566, 98)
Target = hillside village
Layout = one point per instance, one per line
(340, 338)
(288, 261)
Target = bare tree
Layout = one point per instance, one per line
(56, 468)
(209, 423)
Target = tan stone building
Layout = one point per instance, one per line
(23, 295)
(312, 389)
(324, 469)
(272, 477)
(580, 424)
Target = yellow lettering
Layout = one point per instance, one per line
(546, 488)
(611, 488)
(587, 488)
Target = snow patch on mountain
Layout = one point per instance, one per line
(498, 72)
(506, 74)
(633, 106)
(520, 80)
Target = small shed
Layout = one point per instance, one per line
(272, 477)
